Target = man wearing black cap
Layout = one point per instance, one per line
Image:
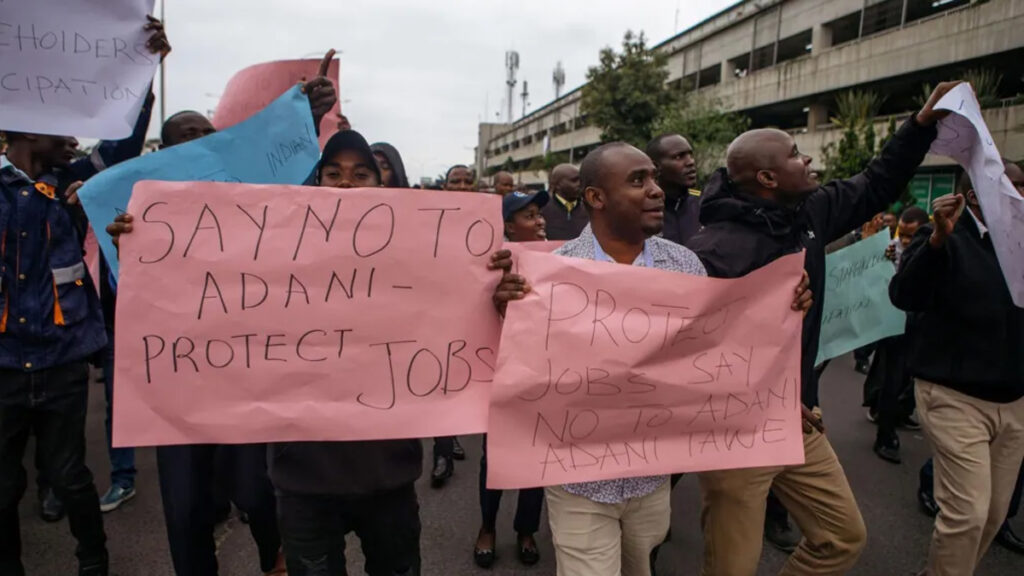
(327, 489)
(522, 214)
(523, 223)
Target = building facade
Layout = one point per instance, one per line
(782, 63)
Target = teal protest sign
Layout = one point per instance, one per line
(857, 307)
(277, 145)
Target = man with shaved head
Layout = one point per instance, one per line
(504, 183)
(765, 204)
(609, 528)
(565, 215)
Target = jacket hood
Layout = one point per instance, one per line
(722, 202)
(395, 160)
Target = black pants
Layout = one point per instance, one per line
(51, 404)
(888, 385)
(863, 354)
(444, 446)
(531, 500)
(186, 487)
(387, 524)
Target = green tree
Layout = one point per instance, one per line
(858, 145)
(707, 125)
(626, 93)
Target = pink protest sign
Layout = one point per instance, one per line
(275, 313)
(537, 246)
(252, 88)
(609, 371)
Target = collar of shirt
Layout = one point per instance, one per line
(568, 205)
(5, 163)
(982, 229)
(644, 259)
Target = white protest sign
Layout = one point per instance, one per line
(74, 67)
(964, 137)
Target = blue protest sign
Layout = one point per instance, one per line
(278, 145)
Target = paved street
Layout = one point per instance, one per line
(898, 533)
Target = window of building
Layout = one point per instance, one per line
(764, 57)
(882, 15)
(710, 76)
(845, 29)
(795, 46)
(918, 9)
(528, 140)
(689, 82)
(739, 66)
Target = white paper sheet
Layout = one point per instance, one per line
(964, 137)
(74, 67)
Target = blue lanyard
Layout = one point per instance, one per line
(599, 254)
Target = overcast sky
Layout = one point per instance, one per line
(419, 74)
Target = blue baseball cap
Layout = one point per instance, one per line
(516, 201)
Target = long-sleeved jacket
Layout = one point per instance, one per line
(742, 233)
(963, 330)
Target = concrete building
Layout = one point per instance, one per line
(783, 62)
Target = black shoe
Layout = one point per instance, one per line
(909, 422)
(443, 469)
(781, 535)
(482, 556)
(96, 568)
(528, 553)
(862, 367)
(458, 452)
(50, 508)
(1009, 540)
(928, 504)
(888, 449)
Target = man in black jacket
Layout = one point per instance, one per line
(767, 204)
(965, 338)
(565, 215)
(677, 176)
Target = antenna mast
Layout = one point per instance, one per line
(511, 67)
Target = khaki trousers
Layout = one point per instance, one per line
(596, 539)
(978, 449)
(818, 498)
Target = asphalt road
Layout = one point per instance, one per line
(898, 533)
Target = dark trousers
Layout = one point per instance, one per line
(531, 500)
(444, 446)
(863, 354)
(889, 389)
(387, 524)
(186, 487)
(122, 460)
(51, 404)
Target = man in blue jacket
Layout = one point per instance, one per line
(51, 323)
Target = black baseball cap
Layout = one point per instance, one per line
(517, 200)
(348, 140)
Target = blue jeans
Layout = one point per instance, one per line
(122, 460)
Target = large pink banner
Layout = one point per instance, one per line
(252, 88)
(275, 313)
(609, 371)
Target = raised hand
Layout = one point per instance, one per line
(322, 96)
(157, 43)
(946, 210)
(928, 115)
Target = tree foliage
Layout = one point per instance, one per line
(707, 125)
(626, 93)
(858, 144)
